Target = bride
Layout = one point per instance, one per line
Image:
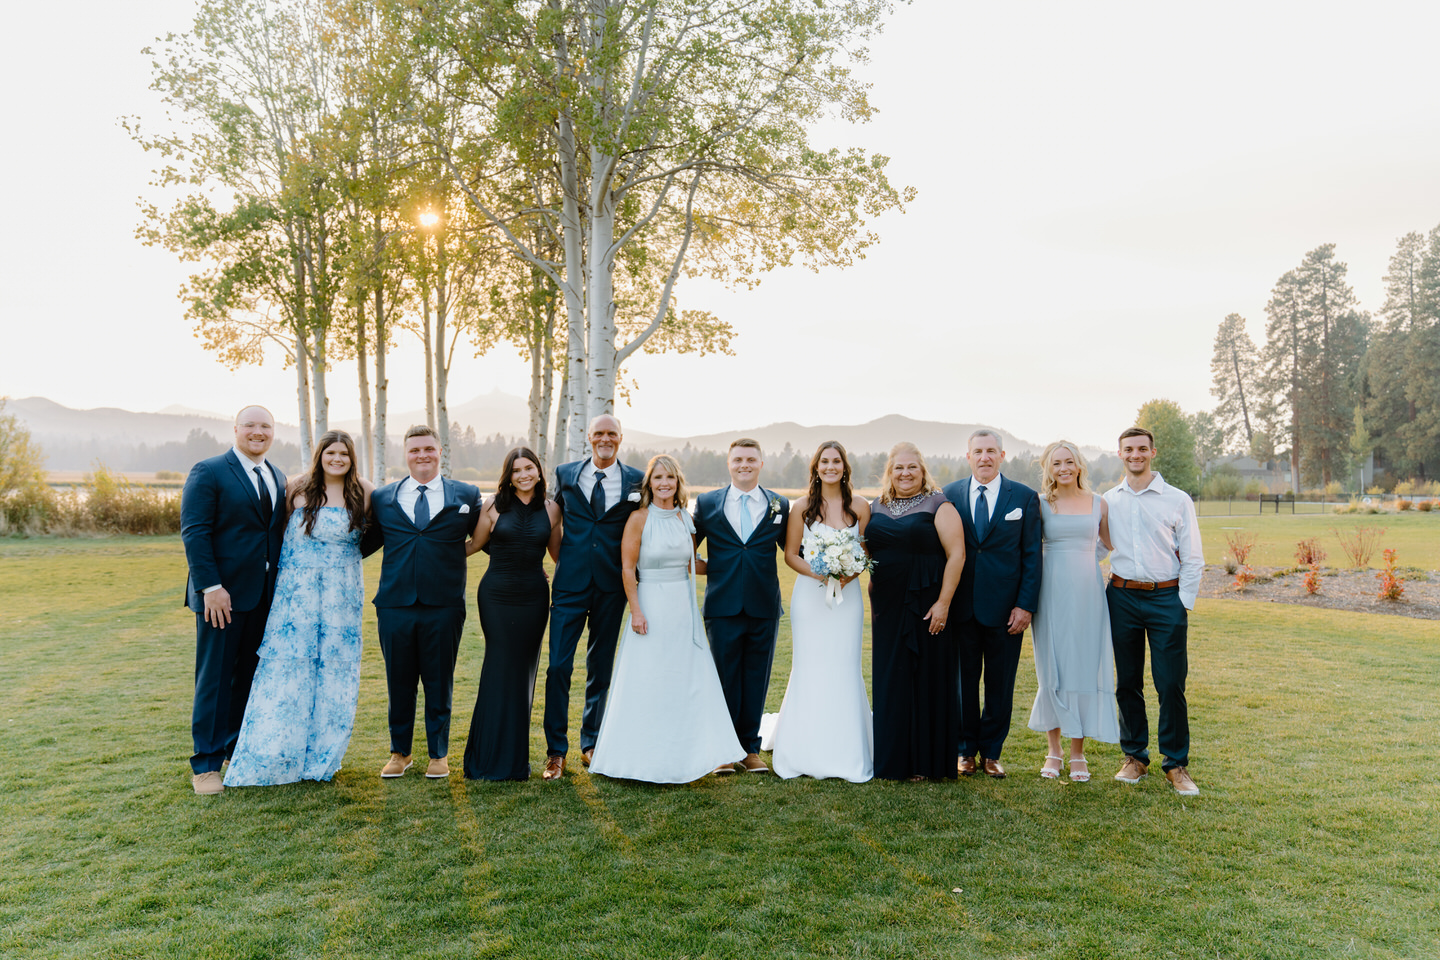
(824, 727)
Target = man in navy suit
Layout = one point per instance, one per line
(231, 522)
(999, 590)
(745, 524)
(596, 497)
(422, 522)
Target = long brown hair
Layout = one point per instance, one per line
(313, 487)
(815, 501)
(505, 488)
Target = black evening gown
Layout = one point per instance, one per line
(914, 676)
(514, 601)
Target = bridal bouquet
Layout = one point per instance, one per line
(834, 554)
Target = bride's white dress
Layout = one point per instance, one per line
(666, 720)
(824, 727)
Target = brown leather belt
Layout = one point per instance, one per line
(1124, 584)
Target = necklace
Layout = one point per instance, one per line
(900, 507)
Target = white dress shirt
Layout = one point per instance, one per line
(611, 483)
(1155, 536)
(736, 500)
(992, 494)
(265, 472)
(409, 493)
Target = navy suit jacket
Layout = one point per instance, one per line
(590, 545)
(422, 566)
(740, 576)
(1003, 572)
(226, 541)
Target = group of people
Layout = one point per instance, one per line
(676, 690)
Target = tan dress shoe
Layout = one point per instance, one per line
(724, 769)
(208, 784)
(1132, 770)
(439, 768)
(966, 767)
(554, 767)
(1179, 778)
(587, 755)
(753, 764)
(396, 766)
(993, 769)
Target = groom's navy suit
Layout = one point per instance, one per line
(742, 604)
(420, 605)
(1002, 572)
(228, 543)
(587, 588)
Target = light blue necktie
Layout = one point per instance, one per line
(747, 525)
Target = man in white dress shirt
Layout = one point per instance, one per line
(1154, 579)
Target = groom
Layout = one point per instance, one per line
(745, 524)
(999, 591)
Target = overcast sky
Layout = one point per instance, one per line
(1098, 186)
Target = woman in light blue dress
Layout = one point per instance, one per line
(1074, 660)
(302, 703)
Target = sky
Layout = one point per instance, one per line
(1098, 185)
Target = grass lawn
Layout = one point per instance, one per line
(1317, 833)
(1415, 535)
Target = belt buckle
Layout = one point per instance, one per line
(1143, 584)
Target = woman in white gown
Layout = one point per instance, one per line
(824, 727)
(666, 720)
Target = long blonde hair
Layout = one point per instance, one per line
(887, 479)
(1048, 486)
(647, 495)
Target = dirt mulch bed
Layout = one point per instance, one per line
(1353, 590)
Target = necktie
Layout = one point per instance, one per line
(422, 508)
(982, 516)
(267, 506)
(747, 525)
(597, 496)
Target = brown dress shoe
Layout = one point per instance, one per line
(208, 784)
(724, 769)
(993, 769)
(1179, 778)
(439, 768)
(753, 764)
(1132, 770)
(554, 767)
(587, 755)
(396, 766)
(966, 767)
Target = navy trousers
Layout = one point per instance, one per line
(225, 662)
(570, 613)
(990, 654)
(1159, 617)
(744, 651)
(420, 644)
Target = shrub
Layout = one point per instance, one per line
(1374, 491)
(1425, 506)
(1402, 504)
(1230, 565)
(1405, 488)
(1223, 483)
(1360, 543)
(1334, 488)
(1308, 552)
(1392, 586)
(1240, 544)
(115, 505)
(1253, 489)
(168, 475)
(1312, 580)
(25, 499)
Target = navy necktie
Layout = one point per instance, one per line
(422, 508)
(597, 496)
(267, 506)
(982, 516)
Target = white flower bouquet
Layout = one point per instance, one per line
(834, 554)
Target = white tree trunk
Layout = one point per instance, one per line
(302, 399)
(320, 401)
(382, 388)
(442, 365)
(362, 363)
(600, 299)
(429, 358)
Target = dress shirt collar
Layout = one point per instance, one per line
(248, 463)
(1157, 484)
(434, 483)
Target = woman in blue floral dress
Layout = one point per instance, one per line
(302, 703)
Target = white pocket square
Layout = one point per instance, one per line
(1013, 514)
(634, 497)
(464, 508)
(776, 520)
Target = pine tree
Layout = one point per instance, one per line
(1234, 369)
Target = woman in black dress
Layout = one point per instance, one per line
(516, 527)
(918, 544)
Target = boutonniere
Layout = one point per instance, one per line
(774, 505)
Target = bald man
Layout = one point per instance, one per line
(231, 522)
(596, 497)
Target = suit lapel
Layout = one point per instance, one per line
(243, 478)
(1002, 504)
(764, 513)
(967, 514)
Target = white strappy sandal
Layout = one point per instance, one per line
(1046, 772)
(1079, 776)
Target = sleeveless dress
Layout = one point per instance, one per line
(666, 720)
(514, 602)
(824, 727)
(1074, 660)
(915, 676)
(302, 703)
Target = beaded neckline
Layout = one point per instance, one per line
(901, 506)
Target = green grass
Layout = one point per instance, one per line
(1415, 535)
(1316, 834)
